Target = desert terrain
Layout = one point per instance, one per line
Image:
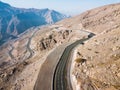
(95, 63)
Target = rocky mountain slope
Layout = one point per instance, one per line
(29, 51)
(96, 20)
(96, 63)
(101, 66)
(14, 21)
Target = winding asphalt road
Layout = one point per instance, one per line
(57, 71)
(60, 75)
(61, 81)
(10, 52)
(28, 45)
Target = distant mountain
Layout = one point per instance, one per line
(14, 21)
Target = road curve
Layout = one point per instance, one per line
(10, 52)
(61, 81)
(28, 45)
(45, 76)
(55, 69)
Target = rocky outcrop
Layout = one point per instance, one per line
(54, 38)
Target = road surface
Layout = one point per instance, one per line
(60, 81)
(45, 77)
(54, 71)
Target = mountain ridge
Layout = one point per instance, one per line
(14, 21)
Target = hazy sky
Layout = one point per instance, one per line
(71, 7)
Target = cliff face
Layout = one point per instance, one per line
(14, 21)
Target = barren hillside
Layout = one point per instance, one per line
(96, 63)
(96, 20)
(22, 58)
